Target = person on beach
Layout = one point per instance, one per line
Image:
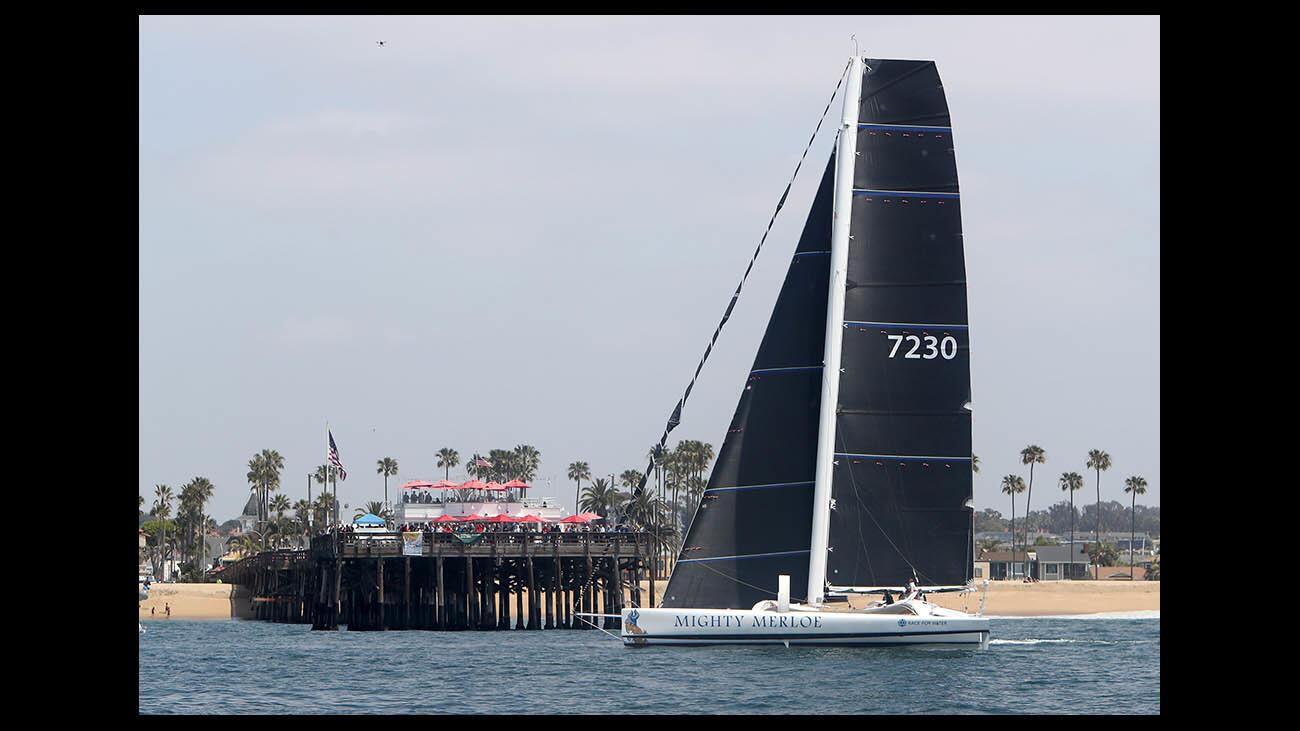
(168, 609)
(151, 609)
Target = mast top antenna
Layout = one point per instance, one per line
(854, 38)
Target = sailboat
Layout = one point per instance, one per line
(847, 465)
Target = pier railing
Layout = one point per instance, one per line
(360, 545)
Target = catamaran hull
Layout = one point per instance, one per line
(643, 627)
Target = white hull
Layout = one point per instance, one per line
(930, 625)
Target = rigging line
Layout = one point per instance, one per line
(763, 589)
(675, 417)
(602, 629)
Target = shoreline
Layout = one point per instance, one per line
(1082, 599)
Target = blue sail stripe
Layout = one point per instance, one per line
(743, 556)
(903, 457)
(931, 325)
(905, 194)
(788, 369)
(760, 487)
(902, 127)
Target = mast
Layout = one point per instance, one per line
(845, 158)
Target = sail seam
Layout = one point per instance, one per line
(873, 192)
(943, 283)
(786, 369)
(900, 456)
(903, 127)
(759, 487)
(954, 326)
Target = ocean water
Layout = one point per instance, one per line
(1033, 665)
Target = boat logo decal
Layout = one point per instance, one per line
(902, 623)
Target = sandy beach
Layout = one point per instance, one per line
(194, 601)
(1015, 599)
(1005, 599)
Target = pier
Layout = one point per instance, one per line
(483, 581)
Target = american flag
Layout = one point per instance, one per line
(480, 462)
(333, 457)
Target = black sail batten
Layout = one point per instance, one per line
(902, 476)
(754, 521)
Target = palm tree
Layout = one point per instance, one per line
(1013, 485)
(527, 460)
(302, 513)
(335, 476)
(630, 479)
(323, 508)
(201, 490)
(1098, 460)
(503, 465)
(1031, 455)
(256, 477)
(448, 458)
(280, 504)
(1135, 486)
(1071, 481)
(162, 508)
(387, 467)
(373, 507)
(473, 469)
(658, 456)
(601, 498)
(322, 477)
(578, 471)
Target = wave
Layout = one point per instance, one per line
(1064, 641)
(1140, 614)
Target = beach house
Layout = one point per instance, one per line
(1054, 563)
(1000, 566)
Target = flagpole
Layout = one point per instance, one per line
(329, 517)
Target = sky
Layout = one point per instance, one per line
(496, 230)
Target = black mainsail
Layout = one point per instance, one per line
(902, 475)
(900, 483)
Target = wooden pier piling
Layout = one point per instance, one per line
(347, 580)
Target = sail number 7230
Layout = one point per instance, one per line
(934, 347)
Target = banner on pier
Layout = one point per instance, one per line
(412, 543)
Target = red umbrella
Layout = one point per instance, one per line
(475, 516)
(495, 486)
(592, 516)
(417, 485)
(530, 519)
(445, 485)
(445, 519)
(500, 518)
(576, 519)
(471, 485)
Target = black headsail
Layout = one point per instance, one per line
(755, 518)
(902, 476)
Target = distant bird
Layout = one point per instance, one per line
(380, 43)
